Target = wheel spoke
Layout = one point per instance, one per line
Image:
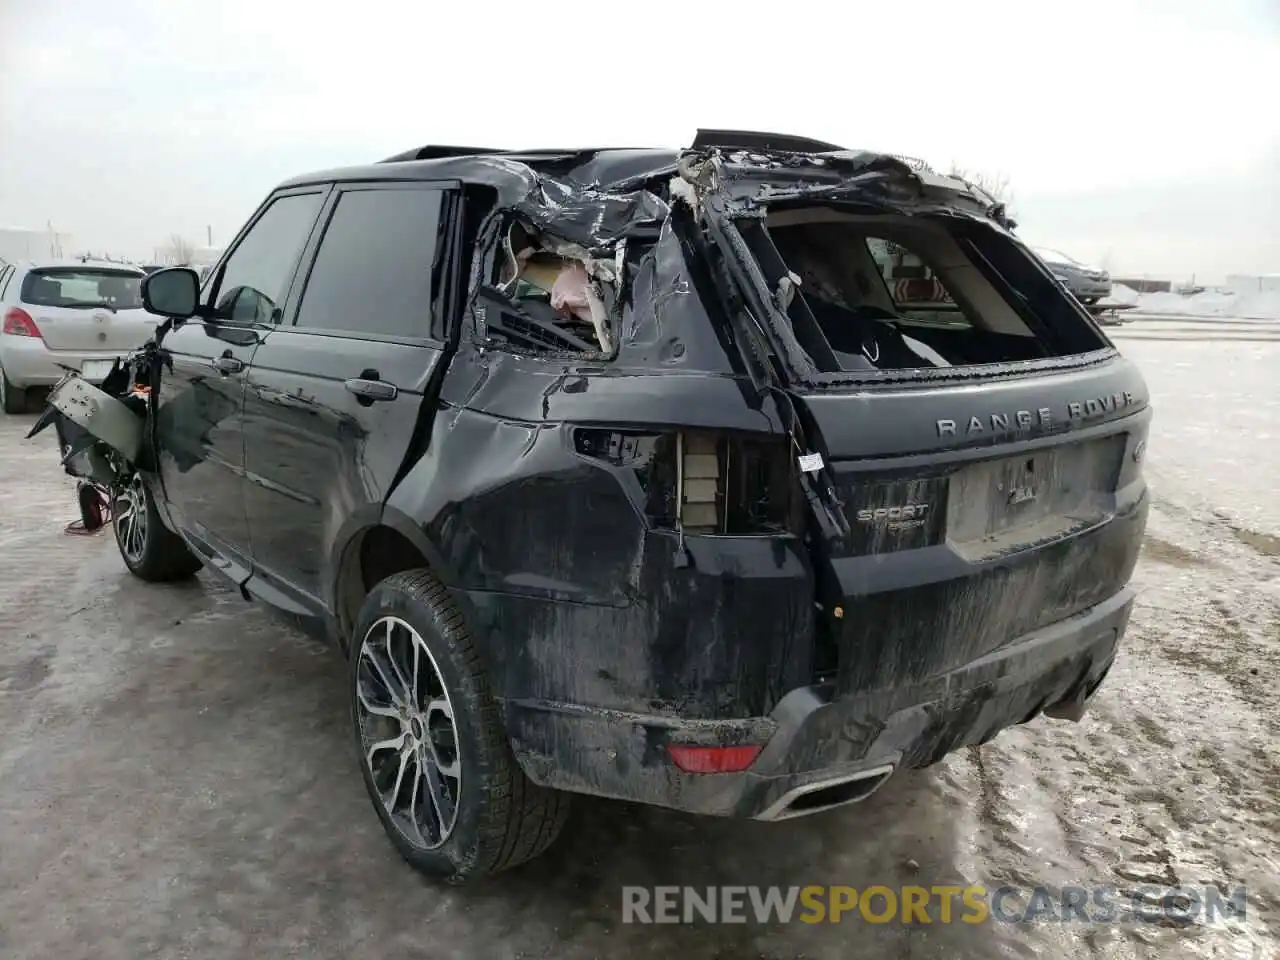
(416, 809)
(417, 656)
(452, 769)
(447, 763)
(438, 791)
(395, 692)
(389, 799)
(395, 743)
(395, 661)
(375, 708)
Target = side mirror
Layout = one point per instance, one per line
(172, 292)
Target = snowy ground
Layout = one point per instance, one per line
(1263, 305)
(177, 778)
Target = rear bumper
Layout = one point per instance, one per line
(820, 751)
(28, 361)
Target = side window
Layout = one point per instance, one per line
(256, 276)
(6, 274)
(380, 264)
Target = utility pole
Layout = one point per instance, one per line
(55, 245)
(209, 233)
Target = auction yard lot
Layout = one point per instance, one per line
(177, 776)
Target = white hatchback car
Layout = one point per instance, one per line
(60, 314)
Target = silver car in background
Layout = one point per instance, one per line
(58, 314)
(1087, 284)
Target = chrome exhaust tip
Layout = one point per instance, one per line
(827, 794)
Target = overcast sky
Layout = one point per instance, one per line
(1142, 133)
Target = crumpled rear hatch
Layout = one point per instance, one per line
(974, 440)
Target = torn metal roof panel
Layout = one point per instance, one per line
(595, 197)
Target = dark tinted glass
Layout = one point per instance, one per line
(257, 274)
(376, 268)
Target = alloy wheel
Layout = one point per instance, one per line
(408, 735)
(130, 512)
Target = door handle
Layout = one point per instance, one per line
(370, 391)
(227, 363)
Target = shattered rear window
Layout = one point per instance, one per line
(869, 292)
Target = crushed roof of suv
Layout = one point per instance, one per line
(595, 196)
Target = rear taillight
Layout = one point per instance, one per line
(692, 759)
(706, 483)
(18, 323)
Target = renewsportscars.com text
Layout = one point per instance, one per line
(940, 903)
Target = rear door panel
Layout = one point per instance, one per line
(317, 455)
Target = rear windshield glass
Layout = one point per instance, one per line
(83, 287)
(867, 292)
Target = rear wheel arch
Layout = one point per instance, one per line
(377, 551)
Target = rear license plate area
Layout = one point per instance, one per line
(96, 370)
(999, 506)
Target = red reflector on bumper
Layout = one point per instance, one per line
(713, 759)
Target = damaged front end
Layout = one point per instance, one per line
(103, 432)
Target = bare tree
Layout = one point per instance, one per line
(993, 182)
(183, 250)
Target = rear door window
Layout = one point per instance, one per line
(379, 270)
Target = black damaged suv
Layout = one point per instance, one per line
(729, 479)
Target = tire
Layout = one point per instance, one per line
(151, 551)
(448, 730)
(12, 399)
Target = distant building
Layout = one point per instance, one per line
(17, 243)
(1253, 283)
(169, 255)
